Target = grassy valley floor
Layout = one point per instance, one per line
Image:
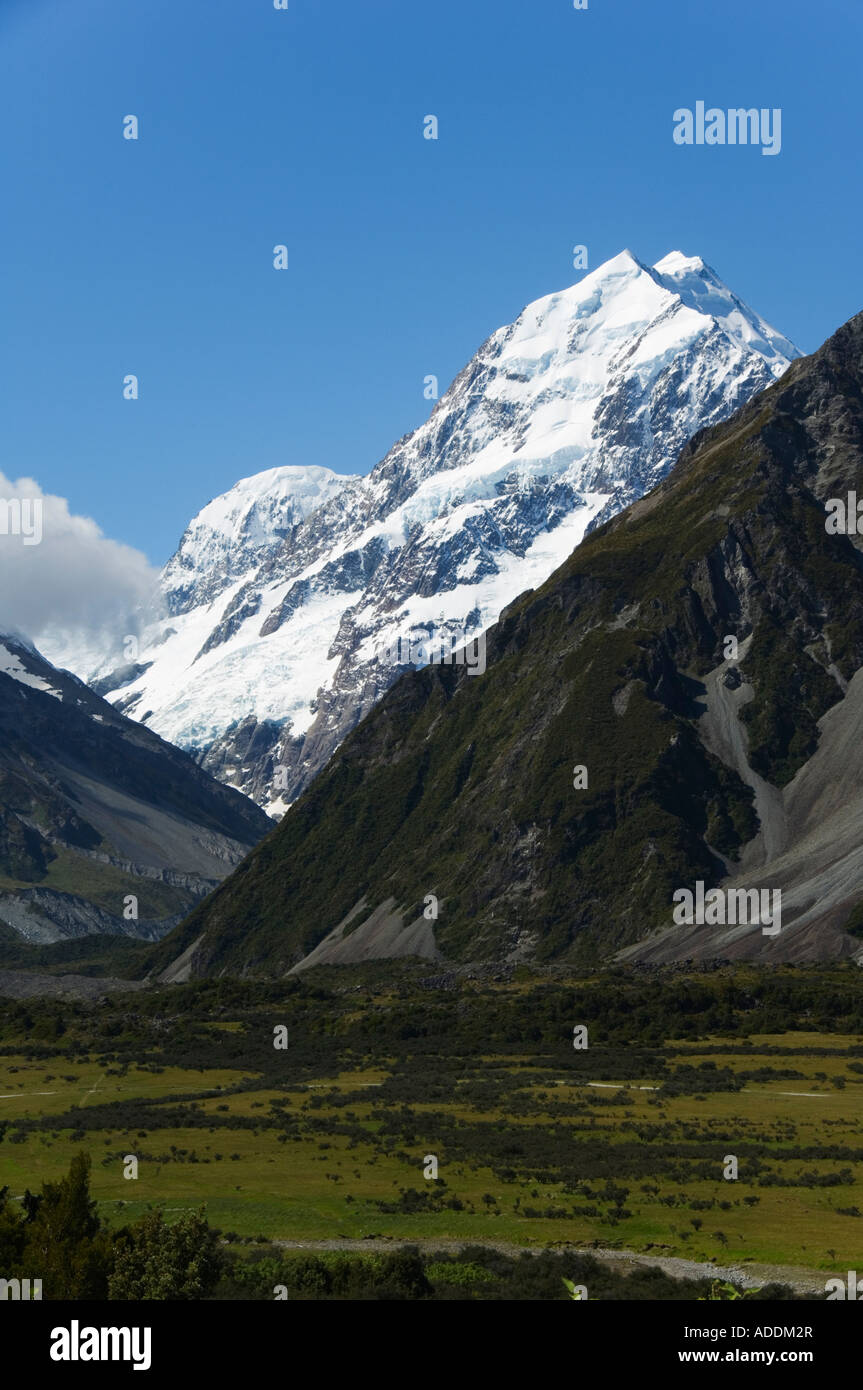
(389, 1078)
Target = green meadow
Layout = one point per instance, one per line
(533, 1142)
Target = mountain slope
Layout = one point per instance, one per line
(283, 592)
(96, 811)
(463, 788)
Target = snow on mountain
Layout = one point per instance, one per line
(701, 288)
(283, 591)
(15, 650)
(235, 531)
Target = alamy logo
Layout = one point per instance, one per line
(848, 1290)
(77, 1343)
(720, 907)
(21, 1290)
(21, 516)
(450, 646)
(737, 126)
(844, 516)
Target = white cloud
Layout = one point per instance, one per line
(73, 581)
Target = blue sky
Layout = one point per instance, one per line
(304, 127)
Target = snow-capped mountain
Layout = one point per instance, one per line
(236, 532)
(284, 591)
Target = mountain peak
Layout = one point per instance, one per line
(284, 589)
(676, 261)
(706, 767)
(700, 288)
(624, 260)
(233, 531)
(287, 495)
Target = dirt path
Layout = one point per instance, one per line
(753, 1090)
(16, 1095)
(621, 1261)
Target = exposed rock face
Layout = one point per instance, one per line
(104, 828)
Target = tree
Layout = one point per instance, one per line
(157, 1261)
(12, 1237)
(65, 1247)
(31, 1204)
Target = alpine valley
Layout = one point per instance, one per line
(262, 651)
(443, 1013)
